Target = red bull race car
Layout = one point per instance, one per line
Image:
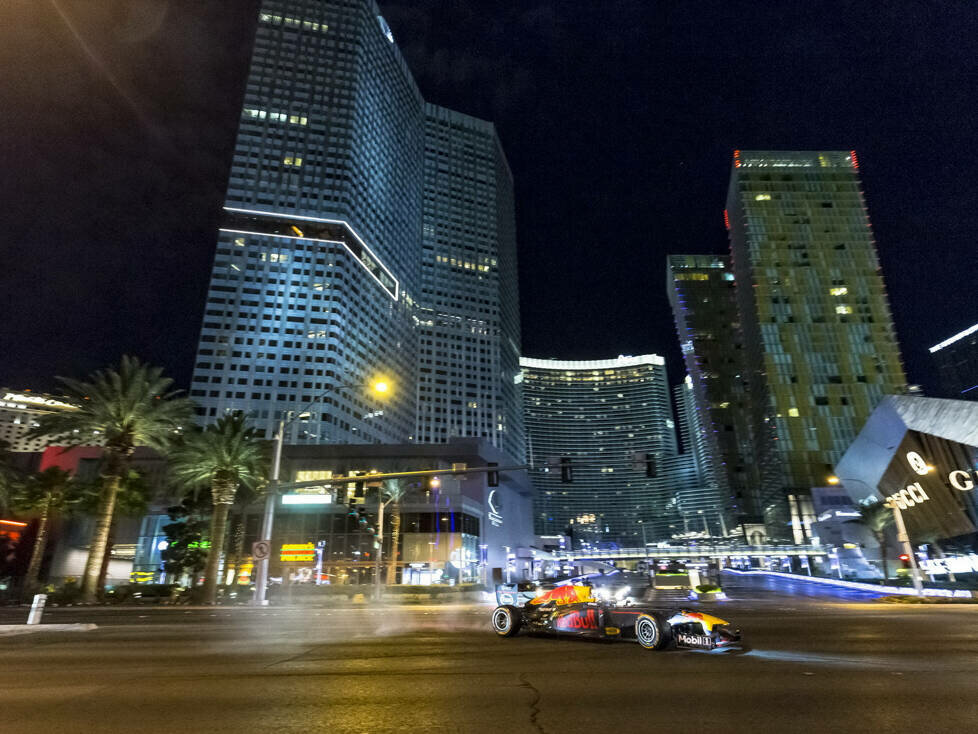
(575, 610)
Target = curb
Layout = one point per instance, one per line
(9, 630)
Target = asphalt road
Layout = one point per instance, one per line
(813, 662)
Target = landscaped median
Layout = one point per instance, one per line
(962, 594)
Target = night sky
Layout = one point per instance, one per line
(117, 123)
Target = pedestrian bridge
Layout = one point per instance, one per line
(693, 551)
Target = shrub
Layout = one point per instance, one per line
(707, 588)
(68, 593)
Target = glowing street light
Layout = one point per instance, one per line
(261, 576)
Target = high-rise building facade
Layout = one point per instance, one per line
(598, 414)
(820, 346)
(704, 491)
(702, 292)
(957, 364)
(468, 313)
(316, 288)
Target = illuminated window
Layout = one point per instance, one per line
(239, 241)
(292, 161)
(692, 276)
(843, 309)
(762, 197)
(793, 412)
(839, 292)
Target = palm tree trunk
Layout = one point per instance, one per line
(223, 495)
(882, 541)
(106, 559)
(940, 554)
(395, 538)
(100, 538)
(40, 543)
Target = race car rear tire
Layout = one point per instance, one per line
(506, 620)
(650, 632)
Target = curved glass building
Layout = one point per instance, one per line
(599, 414)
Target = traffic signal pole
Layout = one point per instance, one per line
(261, 573)
(380, 544)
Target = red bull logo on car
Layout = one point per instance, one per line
(579, 620)
(565, 595)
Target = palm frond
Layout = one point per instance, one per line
(121, 408)
(228, 450)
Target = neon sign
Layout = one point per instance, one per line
(495, 509)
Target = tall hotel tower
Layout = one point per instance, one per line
(702, 292)
(598, 414)
(468, 318)
(335, 231)
(820, 347)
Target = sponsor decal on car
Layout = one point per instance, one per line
(689, 640)
(565, 595)
(577, 620)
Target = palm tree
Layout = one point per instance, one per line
(9, 476)
(43, 493)
(224, 455)
(394, 490)
(120, 409)
(877, 517)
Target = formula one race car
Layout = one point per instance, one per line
(574, 610)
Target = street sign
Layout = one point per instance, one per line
(261, 549)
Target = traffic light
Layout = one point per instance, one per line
(492, 476)
(566, 471)
(905, 559)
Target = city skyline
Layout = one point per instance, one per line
(145, 157)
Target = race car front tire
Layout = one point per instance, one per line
(506, 620)
(650, 632)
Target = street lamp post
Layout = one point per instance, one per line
(268, 518)
(904, 538)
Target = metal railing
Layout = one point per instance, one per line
(694, 551)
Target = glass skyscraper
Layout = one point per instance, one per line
(957, 364)
(598, 414)
(819, 341)
(468, 315)
(702, 292)
(317, 283)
